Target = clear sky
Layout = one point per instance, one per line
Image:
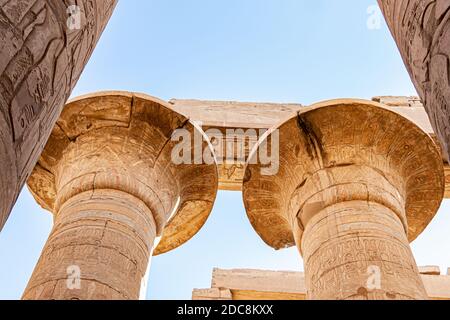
(247, 50)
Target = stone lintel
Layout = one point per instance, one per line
(212, 294)
(224, 115)
(430, 270)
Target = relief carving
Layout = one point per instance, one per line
(41, 59)
(421, 29)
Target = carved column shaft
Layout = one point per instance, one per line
(99, 249)
(354, 242)
(421, 29)
(44, 46)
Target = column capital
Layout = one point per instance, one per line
(329, 146)
(122, 141)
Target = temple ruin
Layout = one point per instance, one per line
(349, 182)
(357, 181)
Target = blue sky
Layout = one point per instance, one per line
(247, 50)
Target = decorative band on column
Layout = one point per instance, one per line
(344, 183)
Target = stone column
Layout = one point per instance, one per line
(421, 29)
(44, 46)
(356, 183)
(99, 248)
(108, 176)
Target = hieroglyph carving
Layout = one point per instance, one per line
(43, 51)
(421, 29)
